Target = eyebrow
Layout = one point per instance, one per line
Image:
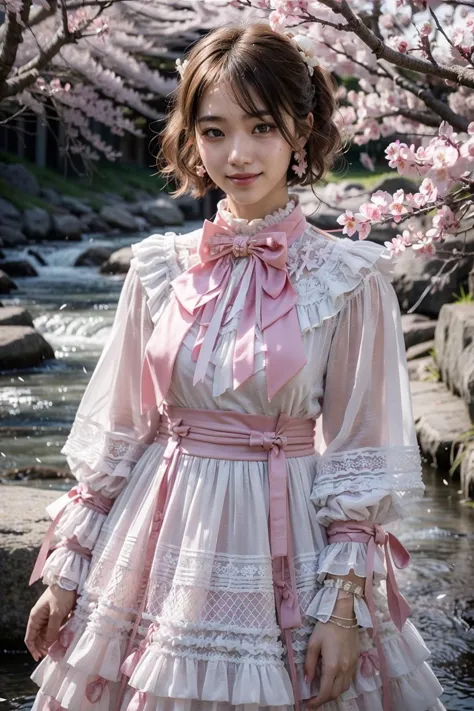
(257, 114)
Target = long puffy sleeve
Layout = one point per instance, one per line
(108, 436)
(370, 464)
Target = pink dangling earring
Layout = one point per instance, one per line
(301, 165)
(201, 171)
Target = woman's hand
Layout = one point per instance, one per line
(339, 650)
(46, 617)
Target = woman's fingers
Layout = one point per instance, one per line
(54, 624)
(326, 688)
(36, 621)
(313, 652)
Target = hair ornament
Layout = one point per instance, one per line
(305, 47)
(181, 66)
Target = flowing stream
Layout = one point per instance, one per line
(73, 307)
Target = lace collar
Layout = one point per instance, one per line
(250, 227)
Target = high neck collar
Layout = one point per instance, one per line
(240, 225)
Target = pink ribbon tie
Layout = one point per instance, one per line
(95, 689)
(369, 663)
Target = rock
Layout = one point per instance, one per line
(423, 369)
(119, 217)
(118, 262)
(18, 268)
(67, 227)
(6, 284)
(34, 472)
(464, 610)
(51, 196)
(94, 256)
(417, 329)
(77, 207)
(8, 212)
(189, 206)
(440, 417)
(22, 347)
(15, 316)
(111, 198)
(454, 342)
(37, 222)
(412, 275)
(20, 178)
(24, 522)
(161, 211)
(92, 223)
(12, 236)
(419, 350)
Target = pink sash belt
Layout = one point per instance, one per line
(219, 434)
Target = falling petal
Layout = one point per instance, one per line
(440, 597)
(445, 482)
(62, 307)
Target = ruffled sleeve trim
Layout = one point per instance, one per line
(344, 267)
(77, 520)
(342, 557)
(66, 568)
(156, 261)
(322, 606)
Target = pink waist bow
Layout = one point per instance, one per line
(374, 535)
(264, 298)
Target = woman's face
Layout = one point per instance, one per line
(231, 142)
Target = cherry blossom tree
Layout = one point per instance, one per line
(414, 65)
(94, 61)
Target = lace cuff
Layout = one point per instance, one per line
(102, 459)
(66, 567)
(341, 558)
(322, 605)
(77, 520)
(387, 471)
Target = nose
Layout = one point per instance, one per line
(240, 153)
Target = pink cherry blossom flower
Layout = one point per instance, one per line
(424, 246)
(366, 161)
(397, 246)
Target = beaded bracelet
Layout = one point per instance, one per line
(339, 624)
(346, 585)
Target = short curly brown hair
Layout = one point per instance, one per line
(267, 62)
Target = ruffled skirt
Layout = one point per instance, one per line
(209, 639)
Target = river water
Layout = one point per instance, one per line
(74, 309)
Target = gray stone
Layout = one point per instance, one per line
(15, 316)
(67, 227)
(94, 256)
(20, 178)
(12, 236)
(189, 206)
(162, 211)
(22, 347)
(24, 522)
(50, 195)
(18, 268)
(117, 216)
(9, 212)
(93, 223)
(77, 207)
(420, 350)
(454, 340)
(6, 284)
(118, 262)
(417, 329)
(412, 276)
(423, 369)
(440, 417)
(37, 222)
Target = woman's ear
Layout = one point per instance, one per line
(309, 120)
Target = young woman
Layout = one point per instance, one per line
(244, 437)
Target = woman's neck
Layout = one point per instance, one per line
(253, 211)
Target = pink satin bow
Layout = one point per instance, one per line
(369, 663)
(264, 298)
(95, 689)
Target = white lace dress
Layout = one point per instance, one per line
(210, 639)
